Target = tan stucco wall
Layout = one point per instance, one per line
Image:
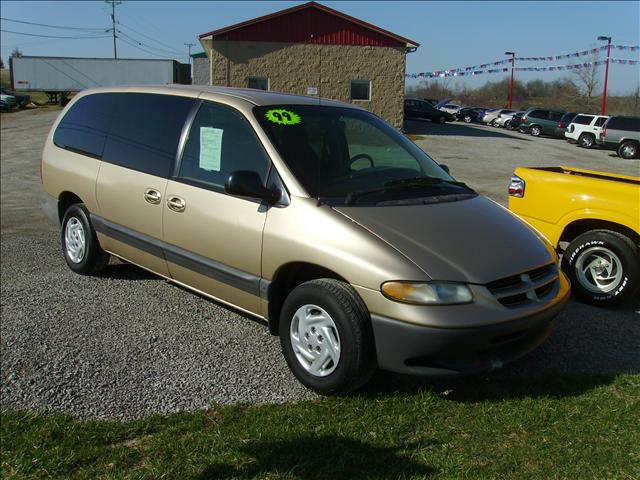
(291, 68)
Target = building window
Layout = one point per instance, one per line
(259, 83)
(360, 90)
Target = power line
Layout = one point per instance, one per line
(52, 36)
(140, 48)
(147, 36)
(132, 39)
(52, 26)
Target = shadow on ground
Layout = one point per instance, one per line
(321, 457)
(425, 127)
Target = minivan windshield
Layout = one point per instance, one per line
(350, 156)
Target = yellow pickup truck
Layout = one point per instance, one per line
(593, 219)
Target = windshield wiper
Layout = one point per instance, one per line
(426, 180)
(351, 197)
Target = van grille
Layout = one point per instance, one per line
(529, 287)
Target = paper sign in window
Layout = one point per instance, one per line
(210, 148)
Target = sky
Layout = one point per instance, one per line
(451, 34)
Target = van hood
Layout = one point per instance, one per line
(474, 240)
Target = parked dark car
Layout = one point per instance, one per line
(22, 100)
(564, 122)
(540, 121)
(516, 120)
(417, 108)
(468, 114)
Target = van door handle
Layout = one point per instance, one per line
(176, 203)
(152, 196)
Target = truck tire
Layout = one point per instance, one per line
(628, 150)
(326, 337)
(603, 266)
(586, 140)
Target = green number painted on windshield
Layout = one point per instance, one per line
(282, 116)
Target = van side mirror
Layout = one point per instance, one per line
(445, 168)
(246, 183)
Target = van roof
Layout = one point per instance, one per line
(256, 97)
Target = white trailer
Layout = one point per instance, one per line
(58, 76)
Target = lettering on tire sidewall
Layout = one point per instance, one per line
(594, 243)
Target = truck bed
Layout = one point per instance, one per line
(590, 174)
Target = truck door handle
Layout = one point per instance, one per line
(176, 203)
(152, 196)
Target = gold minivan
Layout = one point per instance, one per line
(316, 216)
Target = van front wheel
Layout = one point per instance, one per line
(326, 337)
(603, 267)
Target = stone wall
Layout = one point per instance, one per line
(292, 68)
(201, 71)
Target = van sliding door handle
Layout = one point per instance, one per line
(176, 203)
(152, 196)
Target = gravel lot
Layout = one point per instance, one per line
(126, 344)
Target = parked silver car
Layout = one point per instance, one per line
(621, 134)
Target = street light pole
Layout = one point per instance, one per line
(513, 67)
(606, 72)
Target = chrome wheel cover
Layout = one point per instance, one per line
(75, 240)
(315, 340)
(599, 270)
(629, 150)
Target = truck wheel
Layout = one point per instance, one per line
(467, 119)
(80, 246)
(603, 266)
(535, 130)
(628, 150)
(586, 140)
(326, 337)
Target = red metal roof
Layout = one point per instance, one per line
(310, 23)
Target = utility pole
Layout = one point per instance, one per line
(606, 74)
(513, 67)
(113, 24)
(189, 45)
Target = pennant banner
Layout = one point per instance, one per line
(482, 68)
(631, 48)
(620, 61)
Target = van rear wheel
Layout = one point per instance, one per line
(603, 266)
(326, 337)
(80, 246)
(628, 150)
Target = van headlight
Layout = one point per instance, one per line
(431, 293)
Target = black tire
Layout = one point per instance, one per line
(507, 124)
(357, 361)
(94, 258)
(592, 245)
(442, 119)
(628, 150)
(535, 130)
(467, 119)
(586, 140)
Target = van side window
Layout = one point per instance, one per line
(145, 131)
(84, 127)
(221, 141)
(538, 114)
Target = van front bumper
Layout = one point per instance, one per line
(433, 351)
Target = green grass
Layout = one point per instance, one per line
(570, 427)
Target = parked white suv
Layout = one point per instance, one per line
(584, 129)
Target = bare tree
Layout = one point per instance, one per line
(16, 52)
(587, 77)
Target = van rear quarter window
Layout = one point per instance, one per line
(145, 131)
(84, 127)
